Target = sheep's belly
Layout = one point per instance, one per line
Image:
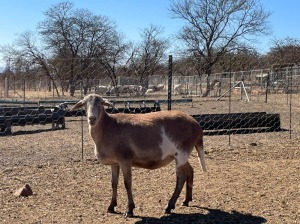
(106, 161)
(170, 149)
(148, 164)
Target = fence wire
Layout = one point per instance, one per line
(260, 103)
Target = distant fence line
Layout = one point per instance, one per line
(274, 80)
(275, 77)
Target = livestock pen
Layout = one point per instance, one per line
(252, 178)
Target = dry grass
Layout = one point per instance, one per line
(246, 182)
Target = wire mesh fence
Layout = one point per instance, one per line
(229, 103)
(251, 129)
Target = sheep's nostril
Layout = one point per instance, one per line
(92, 119)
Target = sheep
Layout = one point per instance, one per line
(148, 91)
(148, 141)
(160, 87)
(141, 91)
(131, 89)
(116, 89)
(122, 89)
(102, 89)
(178, 89)
(138, 90)
(157, 88)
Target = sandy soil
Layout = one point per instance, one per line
(255, 179)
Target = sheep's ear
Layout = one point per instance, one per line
(77, 105)
(107, 103)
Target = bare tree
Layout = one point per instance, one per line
(215, 27)
(111, 55)
(284, 51)
(77, 37)
(29, 54)
(146, 57)
(240, 60)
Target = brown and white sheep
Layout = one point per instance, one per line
(148, 141)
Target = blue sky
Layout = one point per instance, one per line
(18, 16)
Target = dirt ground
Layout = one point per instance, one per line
(255, 179)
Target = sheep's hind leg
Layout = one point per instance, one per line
(115, 171)
(189, 184)
(180, 180)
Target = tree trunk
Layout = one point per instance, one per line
(72, 90)
(72, 87)
(56, 89)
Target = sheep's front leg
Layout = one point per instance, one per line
(127, 173)
(180, 180)
(115, 171)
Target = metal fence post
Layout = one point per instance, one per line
(170, 83)
(81, 96)
(229, 102)
(291, 94)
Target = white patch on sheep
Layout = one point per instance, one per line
(169, 148)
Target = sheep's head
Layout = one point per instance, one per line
(93, 105)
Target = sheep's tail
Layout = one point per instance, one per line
(201, 154)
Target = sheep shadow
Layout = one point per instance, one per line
(214, 216)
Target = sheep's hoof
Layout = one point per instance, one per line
(185, 203)
(169, 209)
(111, 210)
(128, 214)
